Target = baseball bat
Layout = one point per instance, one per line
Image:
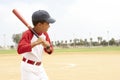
(24, 22)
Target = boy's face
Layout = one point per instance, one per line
(43, 27)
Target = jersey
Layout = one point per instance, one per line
(35, 53)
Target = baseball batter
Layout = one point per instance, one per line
(31, 47)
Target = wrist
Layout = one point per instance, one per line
(47, 47)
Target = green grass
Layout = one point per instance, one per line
(60, 50)
(8, 51)
(95, 49)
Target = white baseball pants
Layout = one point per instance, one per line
(32, 72)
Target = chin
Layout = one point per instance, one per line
(44, 31)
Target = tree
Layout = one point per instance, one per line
(16, 38)
(75, 42)
(81, 42)
(86, 42)
(58, 43)
(55, 43)
(65, 41)
(70, 42)
(104, 43)
(99, 40)
(112, 42)
(91, 41)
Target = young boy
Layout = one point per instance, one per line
(31, 47)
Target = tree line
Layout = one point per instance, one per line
(76, 42)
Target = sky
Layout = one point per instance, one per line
(80, 19)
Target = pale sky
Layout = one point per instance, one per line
(74, 18)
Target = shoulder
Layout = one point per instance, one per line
(27, 34)
(47, 36)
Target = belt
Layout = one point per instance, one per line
(31, 62)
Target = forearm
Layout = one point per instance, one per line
(33, 44)
(46, 44)
(41, 41)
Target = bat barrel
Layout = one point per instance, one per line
(24, 22)
(20, 17)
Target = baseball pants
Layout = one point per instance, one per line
(32, 72)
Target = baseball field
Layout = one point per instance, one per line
(98, 63)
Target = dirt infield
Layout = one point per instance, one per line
(68, 66)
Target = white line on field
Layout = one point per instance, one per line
(70, 65)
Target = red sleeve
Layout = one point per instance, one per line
(24, 44)
(48, 39)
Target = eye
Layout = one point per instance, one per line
(47, 23)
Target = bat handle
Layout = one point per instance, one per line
(34, 32)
